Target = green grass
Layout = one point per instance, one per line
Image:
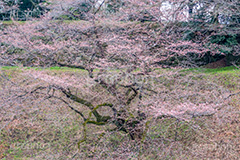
(72, 21)
(230, 69)
(9, 67)
(63, 69)
(11, 22)
(56, 68)
(224, 70)
(39, 68)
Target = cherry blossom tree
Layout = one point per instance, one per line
(121, 61)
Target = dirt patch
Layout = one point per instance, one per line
(218, 64)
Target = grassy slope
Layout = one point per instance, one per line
(45, 133)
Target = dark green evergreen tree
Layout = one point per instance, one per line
(21, 9)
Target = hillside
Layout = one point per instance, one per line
(36, 127)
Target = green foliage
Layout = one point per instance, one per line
(67, 17)
(77, 12)
(226, 41)
(225, 36)
(113, 5)
(26, 9)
